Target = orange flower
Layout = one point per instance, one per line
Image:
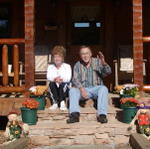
(30, 103)
(133, 100)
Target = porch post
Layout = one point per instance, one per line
(29, 42)
(138, 42)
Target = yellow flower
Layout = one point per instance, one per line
(147, 129)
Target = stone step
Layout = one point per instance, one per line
(103, 146)
(113, 100)
(60, 133)
(87, 113)
(43, 126)
(51, 129)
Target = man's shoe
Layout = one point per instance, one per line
(102, 118)
(73, 117)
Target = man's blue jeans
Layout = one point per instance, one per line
(98, 92)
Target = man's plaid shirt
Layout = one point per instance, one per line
(91, 76)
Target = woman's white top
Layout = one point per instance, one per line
(64, 72)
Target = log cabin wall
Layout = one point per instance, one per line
(117, 21)
(123, 22)
(45, 15)
(146, 32)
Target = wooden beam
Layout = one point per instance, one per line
(5, 65)
(10, 104)
(16, 64)
(148, 62)
(9, 89)
(29, 42)
(138, 141)
(146, 39)
(138, 42)
(12, 41)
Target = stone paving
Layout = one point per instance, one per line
(104, 146)
(52, 130)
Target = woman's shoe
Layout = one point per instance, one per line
(54, 107)
(63, 106)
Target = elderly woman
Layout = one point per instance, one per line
(59, 75)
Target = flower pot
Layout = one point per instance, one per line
(126, 96)
(122, 106)
(41, 100)
(29, 116)
(128, 114)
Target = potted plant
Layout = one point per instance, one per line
(129, 90)
(129, 108)
(39, 94)
(29, 111)
(144, 122)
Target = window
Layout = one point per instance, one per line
(86, 32)
(80, 24)
(4, 21)
(86, 25)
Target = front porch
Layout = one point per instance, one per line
(51, 129)
(39, 36)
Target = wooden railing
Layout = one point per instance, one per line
(146, 39)
(5, 88)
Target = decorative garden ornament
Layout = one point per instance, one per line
(14, 129)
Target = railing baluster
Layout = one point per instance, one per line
(5, 64)
(16, 64)
(14, 43)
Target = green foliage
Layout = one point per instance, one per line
(145, 129)
(15, 131)
(130, 104)
(130, 92)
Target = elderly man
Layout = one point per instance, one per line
(88, 83)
